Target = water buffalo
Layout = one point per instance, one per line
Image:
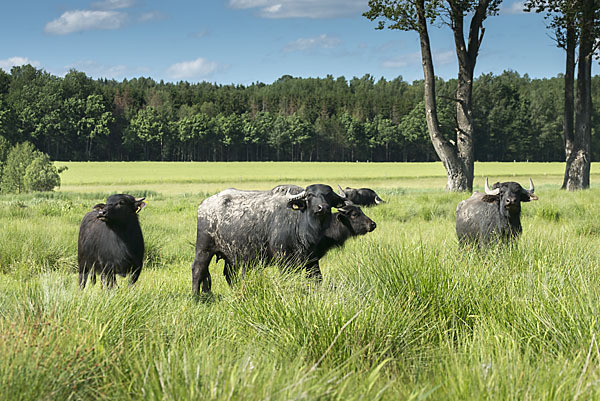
(110, 240)
(495, 214)
(244, 227)
(348, 221)
(361, 196)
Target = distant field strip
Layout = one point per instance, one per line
(181, 176)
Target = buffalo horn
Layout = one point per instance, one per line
(531, 187)
(490, 191)
(296, 197)
(342, 193)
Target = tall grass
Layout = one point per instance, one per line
(403, 313)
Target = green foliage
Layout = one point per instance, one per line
(402, 14)
(4, 150)
(19, 158)
(323, 119)
(41, 175)
(26, 169)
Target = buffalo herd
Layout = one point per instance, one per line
(292, 225)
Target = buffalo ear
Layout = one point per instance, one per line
(341, 202)
(139, 204)
(99, 206)
(491, 198)
(342, 208)
(527, 196)
(297, 204)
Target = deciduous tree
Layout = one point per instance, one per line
(457, 154)
(576, 26)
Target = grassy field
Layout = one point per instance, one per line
(402, 314)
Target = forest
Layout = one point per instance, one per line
(76, 118)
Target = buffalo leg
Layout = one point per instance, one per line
(83, 273)
(229, 273)
(200, 273)
(314, 272)
(135, 275)
(108, 277)
(111, 279)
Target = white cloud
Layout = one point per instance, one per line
(514, 8)
(444, 57)
(151, 16)
(98, 70)
(192, 69)
(304, 44)
(85, 20)
(272, 10)
(8, 63)
(402, 61)
(302, 8)
(113, 4)
(200, 34)
(249, 3)
(413, 59)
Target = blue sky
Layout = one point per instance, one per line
(246, 41)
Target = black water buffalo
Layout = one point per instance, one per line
(361, 196)
(110, 240)
(348, 221)
(243, 227)
(493, 215)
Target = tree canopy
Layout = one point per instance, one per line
(325, 119)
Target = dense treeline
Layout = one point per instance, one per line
(325, 119)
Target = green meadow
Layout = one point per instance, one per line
(402, 313)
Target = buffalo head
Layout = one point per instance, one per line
(509, 195)
(119, 208)
(316, 198)
(354, 219)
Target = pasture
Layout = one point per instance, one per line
(402, 313)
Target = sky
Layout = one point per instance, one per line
(248, 41)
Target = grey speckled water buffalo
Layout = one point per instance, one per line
(494, 215)
(244, 227)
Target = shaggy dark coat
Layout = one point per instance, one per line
(485, 217)
(110, 240)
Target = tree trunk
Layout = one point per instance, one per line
(458, 179)
(467, 57)
(578, 164)
(568, 119)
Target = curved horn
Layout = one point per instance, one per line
(490, 191)
(531, 187)
(296, 197)
(342, 193)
